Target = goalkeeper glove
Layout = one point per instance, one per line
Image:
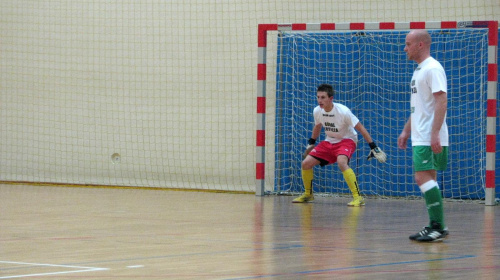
(377, 153)
(311, 144)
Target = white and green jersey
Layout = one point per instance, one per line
(428, 78)
(339, 123)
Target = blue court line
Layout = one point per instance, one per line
(291, 247)
(349, 268)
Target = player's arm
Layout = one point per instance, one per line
(439, 115)
(311, 143)
(405, 134)
(361, 129)
(375, 151)
(316, 131)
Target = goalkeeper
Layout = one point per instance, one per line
(340, 126)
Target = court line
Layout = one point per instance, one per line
(300, 273)
(280, 247)
(305, 273)
(80, 269)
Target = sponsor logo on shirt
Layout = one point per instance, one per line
(331, 127)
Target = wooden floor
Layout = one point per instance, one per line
(102, 233)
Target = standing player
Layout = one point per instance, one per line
(339, 146)
(428, 130)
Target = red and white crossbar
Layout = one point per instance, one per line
(492, 27)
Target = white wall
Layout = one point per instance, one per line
(169, 85)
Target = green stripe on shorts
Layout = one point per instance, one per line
(425, 159)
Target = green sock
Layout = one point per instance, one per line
(434, 203)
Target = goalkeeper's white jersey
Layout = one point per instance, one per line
(429, 77)
(339, 123)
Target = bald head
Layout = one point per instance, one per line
(418, 45)
(422, 35)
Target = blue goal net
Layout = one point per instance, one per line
(371, 74)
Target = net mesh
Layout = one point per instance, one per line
(124, 94)
(371, 74)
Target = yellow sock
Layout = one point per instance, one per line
(307, 177)
(351, 181)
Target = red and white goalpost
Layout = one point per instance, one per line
(492, 77)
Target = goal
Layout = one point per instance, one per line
(370, 72)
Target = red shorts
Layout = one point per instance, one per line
(327, 152)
